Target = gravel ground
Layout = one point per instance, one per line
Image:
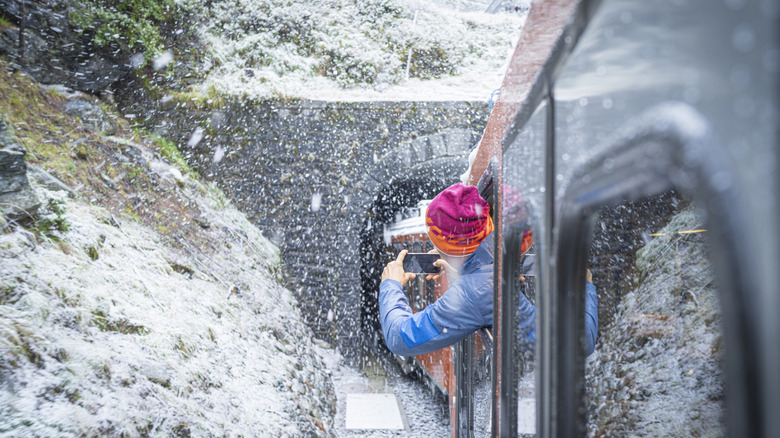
(425, 412)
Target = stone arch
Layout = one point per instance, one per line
(415, 170)
(277, 158)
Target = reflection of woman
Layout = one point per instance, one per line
(517, 212)
(527, 326)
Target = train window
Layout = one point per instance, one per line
(522, 285)
(515, 327)
(482, 384)
(658, 366)
(419, 282)
(430, 286)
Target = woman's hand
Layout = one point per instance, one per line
(444, 267)
(395, 270)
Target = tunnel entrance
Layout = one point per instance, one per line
(375, 253)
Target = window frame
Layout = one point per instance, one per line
(649, 156)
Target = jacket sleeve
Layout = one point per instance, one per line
(527, 326)
(412, 334)
(591, 317)
(394, 311)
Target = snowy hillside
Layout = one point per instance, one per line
(121, 335)
(355, 50)
(138, 301)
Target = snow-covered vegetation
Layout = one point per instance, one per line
(137, 301)
(332, 49)
(105, 331)
(658, 368)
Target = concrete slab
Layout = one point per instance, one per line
(526, 416)
(373, 411)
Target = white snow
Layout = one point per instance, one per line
(196, 137)
(162, 60)
(219, 154)
(373, 411)
(355, 51)
(316, 202)
(111, 332)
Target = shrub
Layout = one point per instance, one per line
(171, 153)
(130, 24)
(50, 221)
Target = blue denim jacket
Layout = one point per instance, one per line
(464, 308)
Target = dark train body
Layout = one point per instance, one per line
(618, 123)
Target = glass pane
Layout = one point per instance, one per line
(483, 387)
(658, 366)
(419, 287)
(523, 194)
(526, 369)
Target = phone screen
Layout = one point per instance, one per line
(421, 263)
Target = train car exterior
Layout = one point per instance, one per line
(437, 368)
(408, 233)
(615, 104)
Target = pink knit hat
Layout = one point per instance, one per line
(458, 219)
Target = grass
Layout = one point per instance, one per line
(5, 23)
(132, 24)
(192, 98)
(130, 213)
(84, 160)
(39, 125)
(54, 223)
(171, 153)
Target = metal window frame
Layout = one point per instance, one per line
(656, 152)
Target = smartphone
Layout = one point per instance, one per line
(421, 263)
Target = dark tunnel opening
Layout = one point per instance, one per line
(375, 254)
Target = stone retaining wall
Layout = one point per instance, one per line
(308, 174)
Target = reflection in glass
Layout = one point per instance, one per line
(657, 370)
(482, 385)
(520, 255)
(526, 391)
